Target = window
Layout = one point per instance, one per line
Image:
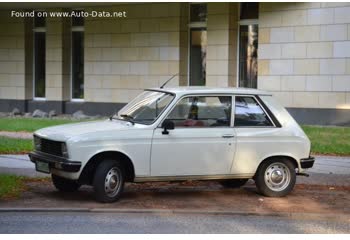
(200, 111)
(146, 107)
(198, 44)
(249, 10)
(39, 56)
(248, 45)
(198, 57)
(77, 58)
(249, 113)
(198, 12)
(39, 19)
(77, 19)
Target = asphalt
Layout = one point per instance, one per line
(162, 223)
(18, 165)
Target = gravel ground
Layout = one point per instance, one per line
(201, 196)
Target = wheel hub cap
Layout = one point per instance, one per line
(112, 182)
(277, 176)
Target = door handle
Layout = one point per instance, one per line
(228, 136)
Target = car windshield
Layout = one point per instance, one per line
(146, 107)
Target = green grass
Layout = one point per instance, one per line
(329, 140)
(15, 146)
(11, 186)
(29, 124)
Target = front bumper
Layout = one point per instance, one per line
(307, 162)
(55, 162)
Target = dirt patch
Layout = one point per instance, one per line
(207, 196)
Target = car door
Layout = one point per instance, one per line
(257, 135)
(202, 142)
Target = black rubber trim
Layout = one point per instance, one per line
(54, 161)
(272, 116)
(307, 162)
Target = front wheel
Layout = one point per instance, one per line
(64, 185)
(275, 177)
(108, 181)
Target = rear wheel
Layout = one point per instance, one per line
(275, 177)
(109, 181)
(234, 183)
(64, 185)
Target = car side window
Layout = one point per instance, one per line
(202, 111)
(249, 113)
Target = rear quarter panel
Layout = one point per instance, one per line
(253, 145)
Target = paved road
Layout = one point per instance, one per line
(330, 164)
(18, 165)
(162, 223)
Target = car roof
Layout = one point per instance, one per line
(209, 90)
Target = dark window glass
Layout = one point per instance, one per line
(78, 64)
(249, 10)
(248, 55)
(39, 20)
(198, 12)
(39, 64)
(198, 54)
(249, 113)
(202, 112)
(78, 19)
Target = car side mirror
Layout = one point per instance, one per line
(167, 125)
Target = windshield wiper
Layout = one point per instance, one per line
(128, 118)
(112, 117)
(125, 117)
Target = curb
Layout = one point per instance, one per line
(319, 216)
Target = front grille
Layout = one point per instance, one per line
(51, 147)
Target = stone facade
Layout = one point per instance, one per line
(304, 56)
(12, 84)
(218, 32)
(127, 55)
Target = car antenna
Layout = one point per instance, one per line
(168, 80)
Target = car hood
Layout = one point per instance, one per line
(66, 131)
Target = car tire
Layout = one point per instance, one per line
(108, 181)
(275, 177)
(234, 183)
(64, 184)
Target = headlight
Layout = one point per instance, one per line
(64, 150)
(37, 143)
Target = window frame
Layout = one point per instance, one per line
(193, 26)
(200, 95)
(255, 97)
(38, 30)
(75, 29)
(243, 22)
(198, 28)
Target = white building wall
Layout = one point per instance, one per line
(304, 53)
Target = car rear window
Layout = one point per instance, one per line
(248, 113)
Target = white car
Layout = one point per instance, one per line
(177, 134)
